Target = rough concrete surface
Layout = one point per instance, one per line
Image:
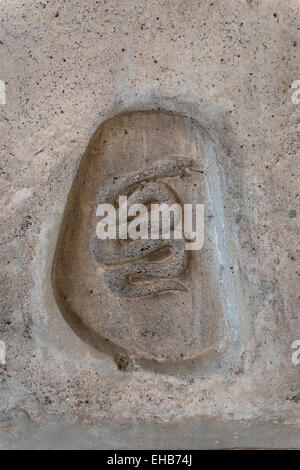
(71, 67)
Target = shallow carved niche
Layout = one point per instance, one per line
(152, 301)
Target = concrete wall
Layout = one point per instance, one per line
(70, 66)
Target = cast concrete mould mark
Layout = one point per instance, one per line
(179, 310)
(2, 92)
(2, 353)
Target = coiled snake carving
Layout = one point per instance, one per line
(128, 270)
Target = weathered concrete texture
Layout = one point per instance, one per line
(69, 67)
(19, 432)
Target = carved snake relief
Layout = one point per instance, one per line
(129, 269)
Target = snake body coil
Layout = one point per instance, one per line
(129, 270)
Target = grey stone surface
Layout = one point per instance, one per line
(19, 432)
(69, 67)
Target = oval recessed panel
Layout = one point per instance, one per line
(157, 303)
